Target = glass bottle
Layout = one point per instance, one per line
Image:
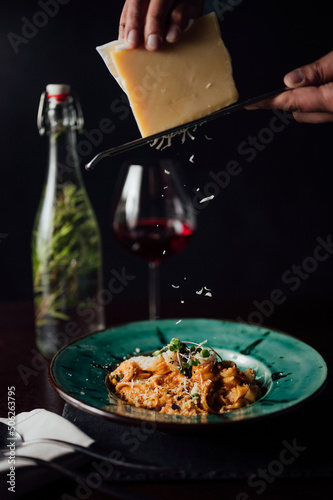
(66, 242)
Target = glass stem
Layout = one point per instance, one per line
(154, 295)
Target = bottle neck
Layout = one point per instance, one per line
(61, 127)
(63, 157)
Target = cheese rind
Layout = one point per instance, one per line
(179, 83)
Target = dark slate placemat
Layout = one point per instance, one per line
(28, 479)
(293, 444)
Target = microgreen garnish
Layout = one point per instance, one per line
(186, 355)
(205, 353)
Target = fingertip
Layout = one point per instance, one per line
(176, 29)
(133, 38)
(173, 34)
(153, 42)
(295, 78)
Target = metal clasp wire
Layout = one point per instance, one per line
(79, 114)
(41, 114)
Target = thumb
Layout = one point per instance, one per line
(314, 74)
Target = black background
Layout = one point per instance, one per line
(265, 221)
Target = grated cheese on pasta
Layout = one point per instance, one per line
(208, 386)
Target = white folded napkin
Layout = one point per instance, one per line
(40, 423)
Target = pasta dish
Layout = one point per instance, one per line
(185, 378)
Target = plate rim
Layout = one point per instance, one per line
(171, 425)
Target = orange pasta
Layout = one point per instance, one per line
(185, 380)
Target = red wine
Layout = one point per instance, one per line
(154, 239)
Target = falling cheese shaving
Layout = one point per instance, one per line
(208, 198)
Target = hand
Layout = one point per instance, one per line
(311, 99)
(151, 22)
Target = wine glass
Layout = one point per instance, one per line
(153, 217)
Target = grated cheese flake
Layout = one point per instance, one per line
(165, 141)
(208, 198)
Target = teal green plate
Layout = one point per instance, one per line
(290, 370)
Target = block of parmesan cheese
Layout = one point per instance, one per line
(181, 82)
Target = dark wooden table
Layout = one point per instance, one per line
(24, 368)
